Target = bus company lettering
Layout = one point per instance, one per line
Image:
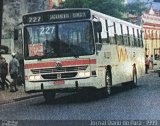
(67, 16)
(59, 16)
(122, 54)
(79, 15)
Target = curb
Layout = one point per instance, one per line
(26, 97)
(19, 99)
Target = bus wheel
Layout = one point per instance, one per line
(159, 74)
(108, 83)
(49, 96)
(134, 81)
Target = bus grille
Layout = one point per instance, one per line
(63, 69)
(59, 75)
(49, 76)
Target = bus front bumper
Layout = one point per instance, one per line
(65, 85)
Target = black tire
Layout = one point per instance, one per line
(159, 74)
(49, 96)
(108, 83)
(134, 81)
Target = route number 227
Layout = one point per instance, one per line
(47, 30)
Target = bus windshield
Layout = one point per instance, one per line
(58, 40)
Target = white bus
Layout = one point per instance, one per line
(71, 49)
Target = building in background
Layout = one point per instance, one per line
(12, 15)
(151, 28)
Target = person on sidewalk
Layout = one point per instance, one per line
(151, 62)
(146, 64)
(13, 70)
(4, 72)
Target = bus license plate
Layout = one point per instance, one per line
(58, 82)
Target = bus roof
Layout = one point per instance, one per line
(114, 19)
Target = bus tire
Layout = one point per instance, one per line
(49, 96)
(108, 83)
(159, 74)
(134, 79)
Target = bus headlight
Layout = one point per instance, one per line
(34, 77)
(84, 74)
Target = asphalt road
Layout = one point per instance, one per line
(125, 103)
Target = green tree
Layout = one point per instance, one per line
(137, 8)
(114, 8)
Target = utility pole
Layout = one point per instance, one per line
(1, 13)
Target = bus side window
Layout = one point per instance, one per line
(131, 36)
(115, 31)
(111, 32)
(129, 42)
(118, 34)
(104, 31)
(97, 31)
(107, 32)
(122, 34)
(134, 38)
(139, 38)
(142, 40)
(125, 35)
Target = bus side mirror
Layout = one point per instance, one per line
(16, 34)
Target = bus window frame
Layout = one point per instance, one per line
(111, 32)
(106, 22)
(129, 43)
(115, 35)
(122, 34)
(134, 38)
(141, 35)
(139, 38)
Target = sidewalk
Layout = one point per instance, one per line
(7, 97)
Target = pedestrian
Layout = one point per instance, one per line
(13, 70)
(4, 72)
(21, 72)
(151, 61)
(146, 64)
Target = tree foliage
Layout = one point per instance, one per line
(137, 8)
(115, 8)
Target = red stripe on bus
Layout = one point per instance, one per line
(64, 63)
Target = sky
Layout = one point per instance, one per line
(155, 5)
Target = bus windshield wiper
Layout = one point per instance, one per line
(76, 56)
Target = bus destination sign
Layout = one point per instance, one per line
(53, 16)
